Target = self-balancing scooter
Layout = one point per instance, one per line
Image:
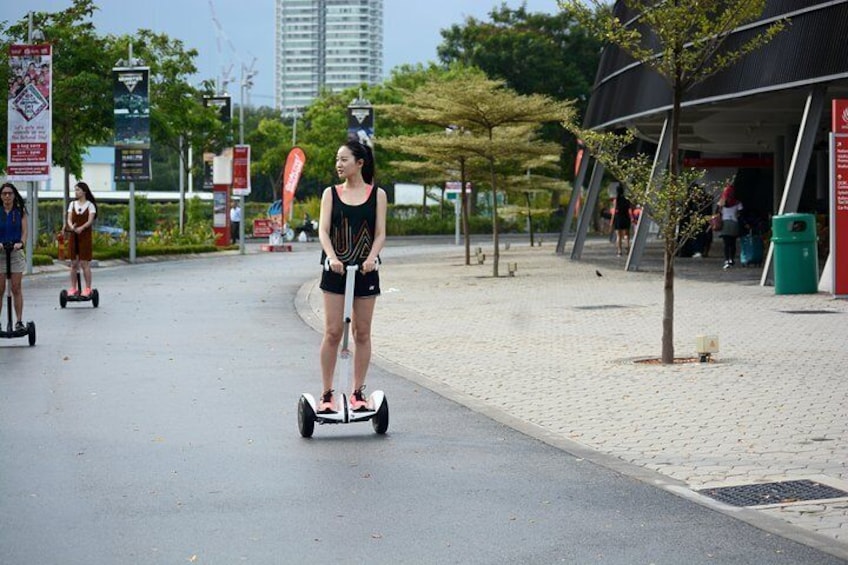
(64, 297)
(377, 408)
(11, 332)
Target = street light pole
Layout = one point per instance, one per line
(246, 82)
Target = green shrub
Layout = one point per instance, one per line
(145, 215)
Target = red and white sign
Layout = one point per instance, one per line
(262, 227)
(839, 198)
(29, 149)
(241, 170)
(291, 177)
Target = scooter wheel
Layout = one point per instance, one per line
(95, 298)
(31, 333)
(63, 298)
(305, 418)
(380, 421)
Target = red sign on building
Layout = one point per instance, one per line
(839, 198)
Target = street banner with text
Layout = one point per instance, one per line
(241, 170)
(30, 113)
(839, 197)
(130, 88)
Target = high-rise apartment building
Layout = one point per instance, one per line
(326, 44)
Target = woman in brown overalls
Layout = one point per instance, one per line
(81, 214)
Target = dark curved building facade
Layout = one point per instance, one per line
(771, 107)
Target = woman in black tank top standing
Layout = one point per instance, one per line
(352, 231)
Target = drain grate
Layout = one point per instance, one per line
(810, 311)
(773, 493)
(601, 307)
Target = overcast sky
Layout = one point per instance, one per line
(411, 29)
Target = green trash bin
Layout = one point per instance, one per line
(796, 262)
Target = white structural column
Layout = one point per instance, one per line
(643, 227)
(587, 210)
(794, 186)
(576, 193)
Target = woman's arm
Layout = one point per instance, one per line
(370, 263)
(24, 228)
(92, 213)
(324, 221)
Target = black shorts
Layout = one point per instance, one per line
(367, 284)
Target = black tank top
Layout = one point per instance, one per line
(352, 228)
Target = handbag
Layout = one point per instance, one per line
(716, 223)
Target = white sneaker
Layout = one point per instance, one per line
(696, 255)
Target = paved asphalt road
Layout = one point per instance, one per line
(161, 428)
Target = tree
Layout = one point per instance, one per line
(440, 154)
(499, 119)
(178, 118)
(323, 127)
(685, 42)
(533, 53)
(81, 79)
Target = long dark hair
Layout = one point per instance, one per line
(17, 199)
(362, 151)
(88, 195)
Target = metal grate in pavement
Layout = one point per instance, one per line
(809, 311)
(773, 493)
(601, 307)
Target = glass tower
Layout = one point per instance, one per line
(325, 44)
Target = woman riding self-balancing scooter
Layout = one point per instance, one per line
(81, 214)
(13, 233)
(18, 330)
(342, 412)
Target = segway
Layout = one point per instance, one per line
(11, 332)
(377, 409)
(64, 297)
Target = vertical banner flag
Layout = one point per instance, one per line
(241, 170)
(130, 88)
(30, 113)
(839, 197)
(291, 176)
(223, 104)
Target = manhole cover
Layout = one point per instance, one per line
(810, 311)
(773, 493)
(600, 307)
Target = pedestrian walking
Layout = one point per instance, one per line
(729, 208)
(235, 220)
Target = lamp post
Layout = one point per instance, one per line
(246, 84)
(33, 36)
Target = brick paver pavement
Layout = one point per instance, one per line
(553, 348)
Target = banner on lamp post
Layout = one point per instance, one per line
(131, 88)
(30, 113)
(241, 170)
(224, 106)
(291, 177)
(839, 197)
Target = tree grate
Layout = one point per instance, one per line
(784, 492)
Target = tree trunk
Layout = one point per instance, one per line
(668, 304)
(463, 211)
(668, 264)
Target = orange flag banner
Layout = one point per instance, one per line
(291, 177)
